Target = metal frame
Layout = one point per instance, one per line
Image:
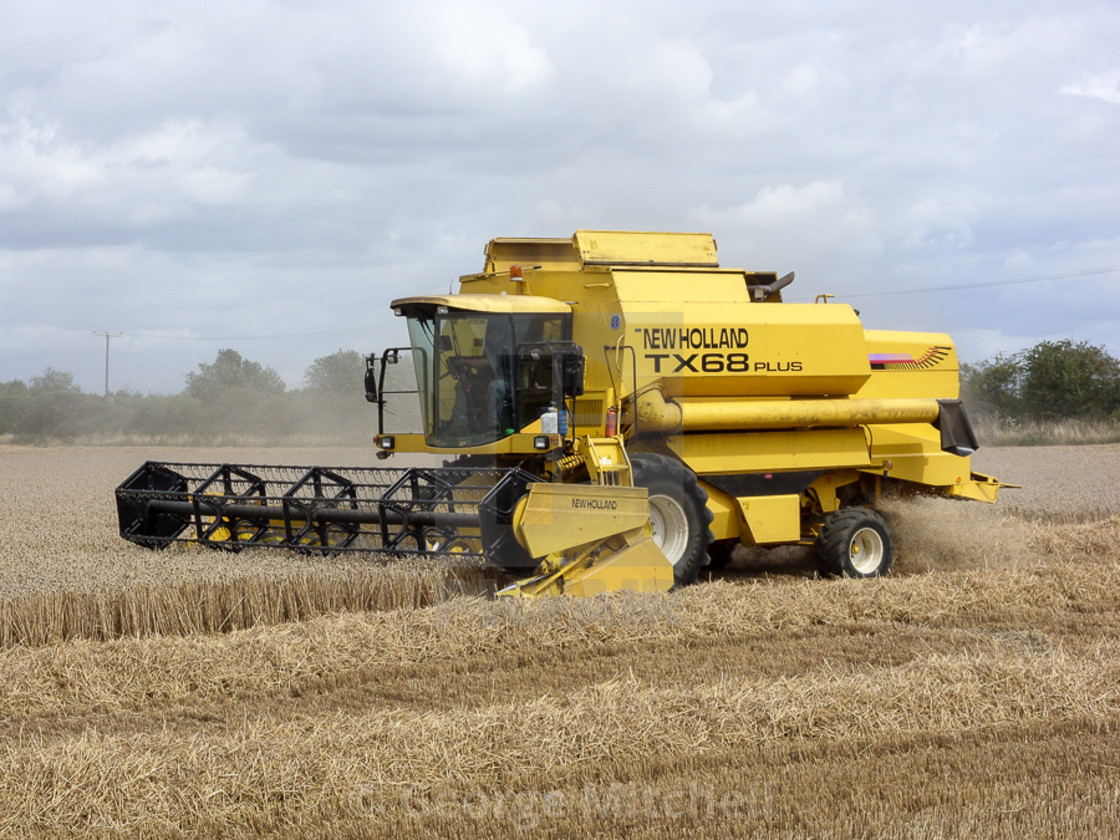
(322, 509)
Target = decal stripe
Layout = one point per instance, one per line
(904, 361)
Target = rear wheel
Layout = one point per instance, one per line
(855, 542)
(678, 512)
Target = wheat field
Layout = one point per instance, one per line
(973, 693)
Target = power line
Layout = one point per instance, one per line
(1068, 275)
(246, 337)
(45, 353)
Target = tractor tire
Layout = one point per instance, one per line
(855, 543)
(678, 511)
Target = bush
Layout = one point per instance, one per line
(1054, 380)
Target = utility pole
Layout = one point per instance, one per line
(107, 337)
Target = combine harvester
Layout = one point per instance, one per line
(618, 412)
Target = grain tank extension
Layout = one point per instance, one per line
(617, 400)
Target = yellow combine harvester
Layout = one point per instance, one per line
(619, 412)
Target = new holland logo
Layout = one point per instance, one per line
(595, 504)
(906, 361)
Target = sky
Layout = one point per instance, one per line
(267, 175)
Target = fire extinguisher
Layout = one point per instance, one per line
(612, 421)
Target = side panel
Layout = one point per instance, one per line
(760, 452)
(702, 336)
(772, 519)
(754, 520)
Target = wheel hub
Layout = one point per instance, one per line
(866, 550)
(670, 527)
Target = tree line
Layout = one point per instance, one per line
(231, 399)
(1054, 380)
(234, 399)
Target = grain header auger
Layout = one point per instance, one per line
(617, 412)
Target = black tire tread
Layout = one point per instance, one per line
(651, 470)
(832, 541)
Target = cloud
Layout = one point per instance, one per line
(818, 221)
(272, 169)
(1105, 86)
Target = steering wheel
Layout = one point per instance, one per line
(471, 370)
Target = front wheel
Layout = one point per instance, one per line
(856, 543)
(678, 512)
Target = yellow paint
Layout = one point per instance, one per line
(701, 367)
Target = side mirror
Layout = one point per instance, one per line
(571, 371)
(371, 378)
